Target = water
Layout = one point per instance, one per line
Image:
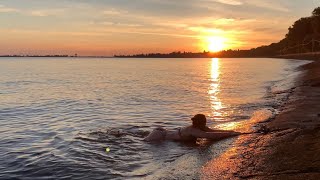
(58, 116)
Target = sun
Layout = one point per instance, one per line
(216, 43)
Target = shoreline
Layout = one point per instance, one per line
(290, 148)
(302, 56)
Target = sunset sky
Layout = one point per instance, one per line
(108, 27)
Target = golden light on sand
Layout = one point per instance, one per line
(216, 43)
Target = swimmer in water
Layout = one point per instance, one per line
(198, 129)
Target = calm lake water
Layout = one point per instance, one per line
(58, 116)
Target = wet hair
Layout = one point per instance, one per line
(199, 121)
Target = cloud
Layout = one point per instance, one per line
(229, 2)
(171, 24)
(108, 23)
(4, 9)
(113, 11)
(97, 32)
(224, 21)
(47, 12)
(266, 4)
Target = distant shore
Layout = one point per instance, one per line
(52, 56)
(290, 148)
(224, 54)
(302, 56)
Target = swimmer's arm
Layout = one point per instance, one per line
(213, 135)
(207, 129)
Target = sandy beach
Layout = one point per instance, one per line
(289, 148)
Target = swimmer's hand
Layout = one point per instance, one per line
(237, 133)
(214, 135)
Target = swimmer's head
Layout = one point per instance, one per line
(199, 121)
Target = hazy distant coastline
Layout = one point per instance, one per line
(205, 54)
(36, 56)
(55, 56)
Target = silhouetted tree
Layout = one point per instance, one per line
(299, 30)
(316, 12)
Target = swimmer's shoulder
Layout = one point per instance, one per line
(187, 130)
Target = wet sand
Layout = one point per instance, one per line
(288, 148)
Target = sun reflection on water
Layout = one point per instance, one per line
(214, 89)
